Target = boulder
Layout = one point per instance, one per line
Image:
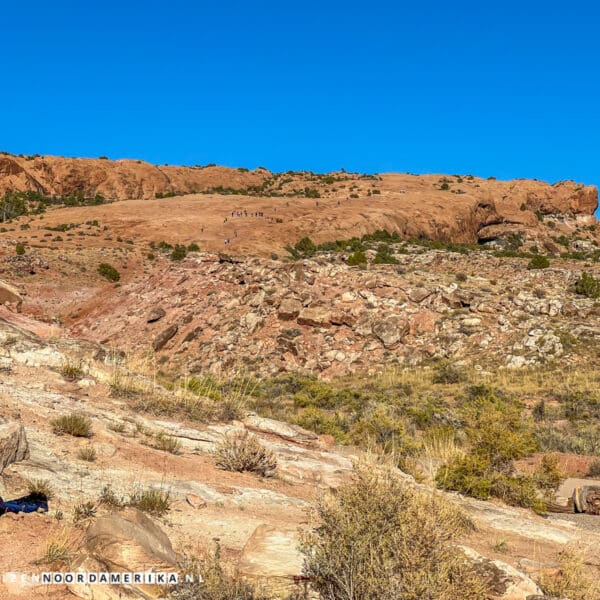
(504, 582)
(286, 431)
(163, 337)
(156, 314)
(390, 330)
(252, 321)
(130, 541)
(343, 318)
(13, 444)
(127, 541)
(470, 325)
(10, 295)
(419, 294)
(364, 325)
(314, 317)
(272, 559)
(289, 309)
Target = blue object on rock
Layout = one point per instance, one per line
(26, 504)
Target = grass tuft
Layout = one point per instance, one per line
(74, 424)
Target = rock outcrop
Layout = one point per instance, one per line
(10, 295)
(338, 320)
(13, 444)
(457, 208)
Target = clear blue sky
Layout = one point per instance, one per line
(509, 89)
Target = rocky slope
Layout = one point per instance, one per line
(223, 314)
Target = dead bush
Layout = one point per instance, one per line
(217, 583)
(241, 451)
(572, 581)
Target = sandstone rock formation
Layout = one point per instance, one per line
(10, 295)
(128, 541)
(13, 444)
(457, 208)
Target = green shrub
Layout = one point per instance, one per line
(87, 453)
(497, 435)
(166, 443)
(587, 285)
(305, 248)
(179, 252)
(357, 258)
(109, 498)
(109, 272)
(71, 371)
(468, 475)
(20, 249)
(548, 475)
(381, 539)
(384, 256)
(574, 440)
(152, 500)
(193, 247)
(324, 423)
(539, 261)
(83, 511)
(381, 427)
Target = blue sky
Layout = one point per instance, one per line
(506, 89)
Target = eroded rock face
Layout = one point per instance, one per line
(118, 180)
(13, 444)
(480, 210)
